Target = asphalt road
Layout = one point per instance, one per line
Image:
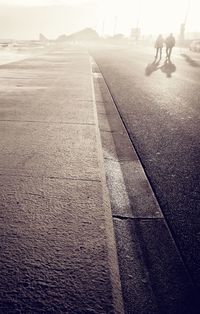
(159, 105)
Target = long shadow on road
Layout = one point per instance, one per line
(168, 68)
(190, 61)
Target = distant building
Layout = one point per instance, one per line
(192, 35)
(135, 33)
(118, 36)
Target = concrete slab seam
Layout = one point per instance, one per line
(47, 122)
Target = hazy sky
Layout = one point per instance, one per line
(27, 18)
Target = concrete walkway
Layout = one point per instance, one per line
(58, 253)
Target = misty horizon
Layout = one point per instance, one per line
(28, 22)
(23, 20)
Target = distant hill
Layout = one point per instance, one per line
(42, 38)
(62, 38)
(85, 34)
(21, 22)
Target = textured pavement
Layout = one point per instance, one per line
(58, 253)
(158, 114)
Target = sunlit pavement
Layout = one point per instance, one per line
(58, 253)
(158, 103)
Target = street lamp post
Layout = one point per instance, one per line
(183, 25)
(103, 28)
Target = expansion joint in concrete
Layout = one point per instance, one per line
(119, 217)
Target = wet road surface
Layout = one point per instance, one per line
(159, 106)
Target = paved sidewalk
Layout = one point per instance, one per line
(57, 247)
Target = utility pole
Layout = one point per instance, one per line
(115, 25)
(136, 32)
(187, 11)
(103, 28)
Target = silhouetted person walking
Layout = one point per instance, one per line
(159, 46)
(170, 43)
